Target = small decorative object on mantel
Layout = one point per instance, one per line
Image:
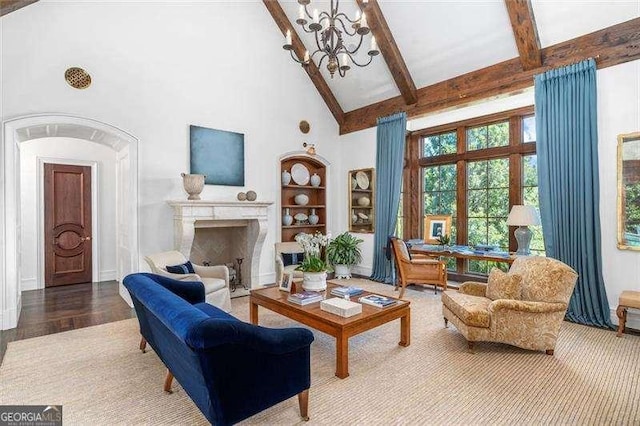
(193, 185)
(242, 196)
(251, 195)
(315, 180)
(301, 199)
(286, 178)
(304, 126)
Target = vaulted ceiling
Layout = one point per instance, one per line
(457, 52)
(438, 54)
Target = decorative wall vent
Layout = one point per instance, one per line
(77, 78)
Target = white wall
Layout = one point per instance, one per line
(618, 112)
(71, 150)
(157, 68)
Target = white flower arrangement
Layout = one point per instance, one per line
(312, 244)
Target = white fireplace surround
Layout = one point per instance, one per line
(190, 215)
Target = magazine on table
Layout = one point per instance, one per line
(305, 297)
(377, 300)
(347, 291)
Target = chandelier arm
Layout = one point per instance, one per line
(318, 45)
(351, 52)
(295, 57)
(307, 30)
(321, 59)
(306, 11)
(344, 27)
(344, 15)
(361, 65)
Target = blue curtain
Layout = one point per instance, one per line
(389, 161)
(567, 147)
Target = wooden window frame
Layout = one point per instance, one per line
(414, 162)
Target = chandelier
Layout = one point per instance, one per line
(329, 29)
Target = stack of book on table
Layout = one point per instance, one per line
(346, 291)
(305, 297)
(377, 300)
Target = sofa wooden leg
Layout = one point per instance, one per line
(303, 402)
(143, 344)
(446, 323)
(167, 382)
(471, 346)
(549, 352)
(621, 312)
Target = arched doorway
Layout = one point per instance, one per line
(22, 129)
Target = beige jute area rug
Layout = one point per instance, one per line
(100, 377)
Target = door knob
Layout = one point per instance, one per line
(87, 238)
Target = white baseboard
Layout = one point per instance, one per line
(9, 318)
(29, 284)
(108, 275)
(633, 318)
(364, 270)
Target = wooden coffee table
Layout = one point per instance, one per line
(334, 325)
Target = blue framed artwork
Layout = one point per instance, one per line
(218, 154)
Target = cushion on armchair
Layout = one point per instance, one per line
(184, 268)
(289, 259)
(502, 285)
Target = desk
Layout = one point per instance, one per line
(429, 251)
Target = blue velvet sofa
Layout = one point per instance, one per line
(230, 369)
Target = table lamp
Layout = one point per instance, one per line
(523, 216)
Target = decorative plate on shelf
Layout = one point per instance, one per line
(363, 180)
(363, 216)
(301, 218)
(300, 174)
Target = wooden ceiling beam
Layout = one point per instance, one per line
(389, 49)
(525, 32)
(278, 15)
(8, 6)
(611, 46)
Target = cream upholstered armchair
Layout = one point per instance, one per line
(529, 317)
(214, 278)
(417, 271)
(282, 265)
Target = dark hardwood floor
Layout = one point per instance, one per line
(57, 309)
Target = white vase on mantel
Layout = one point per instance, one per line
(314, 281)
(193, 185)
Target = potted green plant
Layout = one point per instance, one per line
(343, 252)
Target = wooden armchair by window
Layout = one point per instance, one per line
(417, 271)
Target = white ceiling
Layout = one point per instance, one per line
(443, 39)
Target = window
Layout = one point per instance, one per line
(475, 171)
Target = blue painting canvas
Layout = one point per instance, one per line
(218, 154)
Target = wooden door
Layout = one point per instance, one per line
(67, 224)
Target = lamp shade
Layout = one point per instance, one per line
(523, 216)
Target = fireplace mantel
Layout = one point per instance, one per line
(190, 215)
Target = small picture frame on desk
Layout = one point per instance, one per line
(285, 284)
(436, 226)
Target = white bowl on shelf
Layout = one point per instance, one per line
(301, 199)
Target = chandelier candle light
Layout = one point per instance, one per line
(329, 29)
(522, 216)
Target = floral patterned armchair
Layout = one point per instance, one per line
(530, 321)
